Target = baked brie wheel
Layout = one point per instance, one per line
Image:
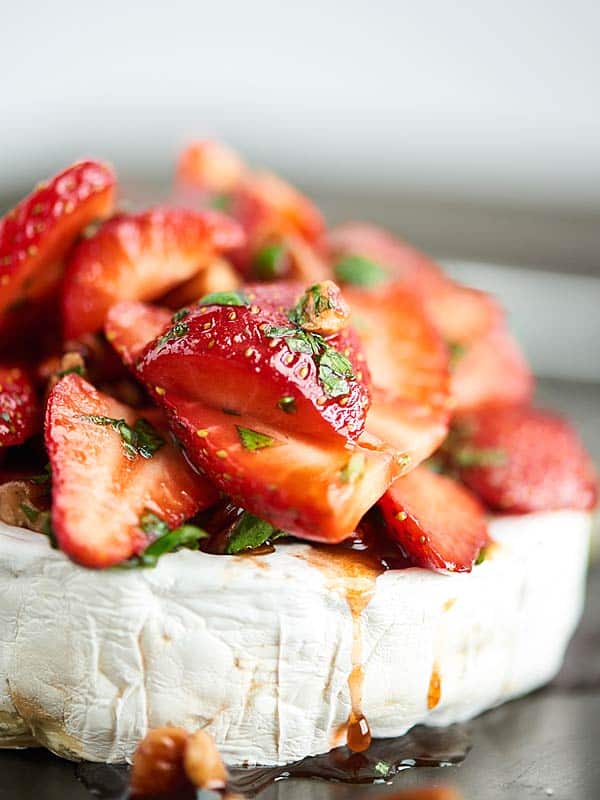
(259, 650)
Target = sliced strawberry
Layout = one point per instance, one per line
(490, 371)
(310, 488)
(130, 326)
(520, 459)
(409, 369)
(140, 257)
(219, 276)
(36, 235)
(19, 411)
(437, 523)
(100, 487)
(246, 356)
(459, 313)
(209, 166)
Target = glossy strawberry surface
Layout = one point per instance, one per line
(19, 410)
(100, 488)
(140, 257)
(436, 522)
(520, 459)
(247, 358)
(36, 235)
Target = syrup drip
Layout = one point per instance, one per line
(420, 747)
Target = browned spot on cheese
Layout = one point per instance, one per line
(434, 692)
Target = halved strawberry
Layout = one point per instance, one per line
(130, 326)
(490, 371)
(240, 351)
(140, 257)
(36, 234)
(437, 523)
(314, 489)
(366, 255)
(409, 369)
(104, 479)
(19, 410)
(209, 166)
(520, 459)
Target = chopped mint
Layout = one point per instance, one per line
(360, 271)
(224, 299)
(221, 202)
(456, 351)
(467, 456)
(251, 532)
(142, 439)
(164, 541)
(78, 369)
(255, 440)
(179, 329)
(481, 556)
(271, 262)
(382, 768)
(354, 469)
(178, 316)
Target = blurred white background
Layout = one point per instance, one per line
(473, 128)
(485, 100)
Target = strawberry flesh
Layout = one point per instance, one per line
(436, 522)
(38, 232)
(315, 490)
(99, 493)
(19, 411)
(230, 356)
(491, 371)
(140, 257)
(130, 326)
(541, 464)
(408, 362)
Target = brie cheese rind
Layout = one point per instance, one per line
(259, 649)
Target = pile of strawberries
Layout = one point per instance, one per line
(229, 349)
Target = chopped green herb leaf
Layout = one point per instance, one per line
(181, 314)
(456, 351)
(481, 556)
(334, 368)
(354, 469)
(5, 416)
(271, 262)
(178, 330)
(467, 456)
(77, 369)
(255, 440)
(251, 532)
(382, 768)
(164, 541)
(221, 202)
(287, 404)
(44, 476)
(224, 299)
(143, 439)
(31, 513)
(360, 271)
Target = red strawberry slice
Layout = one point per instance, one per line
(313, 489)
(520, 459)
(209, 166)
(101, 487)
(19, 411)
(246, 356)
(437, 523)
(140, 257)
(459, 313)
(130, 326)
(409, 369)
(490, 371)
(36, 234)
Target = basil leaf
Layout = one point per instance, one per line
(164, 541)
(255, 440)
(221, 202)
(251, 532)
(224, 299)
(467, 456)
(360, 271)
(178, 330)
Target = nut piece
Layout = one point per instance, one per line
(203, 764)
(158, 763)
(322, 309)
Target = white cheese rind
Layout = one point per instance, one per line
(258, 649)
